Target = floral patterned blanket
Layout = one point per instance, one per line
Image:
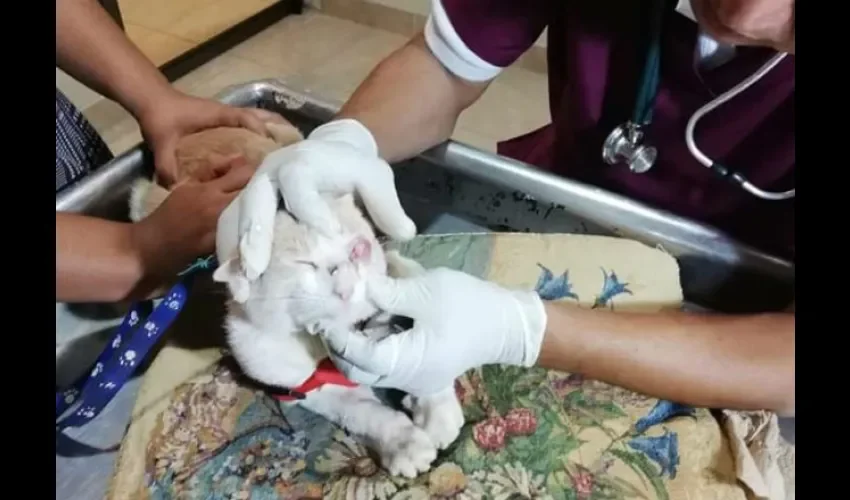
(200, 432)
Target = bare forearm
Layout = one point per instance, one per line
(410, 102)
(92, 48)
(96, 260)
(717, 361)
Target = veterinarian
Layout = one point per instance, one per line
(412, 100)
(100, 260)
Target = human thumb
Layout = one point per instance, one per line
(402, 296)
(354, 353)
(352, 372)
(165, 161)
(303, 200)
(377, 188)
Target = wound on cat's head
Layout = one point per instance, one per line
(361, 250)
(338, 273)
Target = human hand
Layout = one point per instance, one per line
(176, 114)
(183, 227)
(460, 322)
(767, 23)
(337, 158)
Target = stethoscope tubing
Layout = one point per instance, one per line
(648, 88)
(701, 157)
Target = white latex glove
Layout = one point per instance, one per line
(460, 322)
(336, 158)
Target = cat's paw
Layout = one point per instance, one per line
(405, 449)
(440, 416)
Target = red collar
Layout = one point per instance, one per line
(326, 374)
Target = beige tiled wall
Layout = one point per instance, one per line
(407, 17)
(421, 7)
(165, 29)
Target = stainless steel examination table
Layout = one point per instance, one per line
(451, 188)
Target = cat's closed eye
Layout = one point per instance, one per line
(308, 263)
(331, 270)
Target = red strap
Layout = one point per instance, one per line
(326, 374)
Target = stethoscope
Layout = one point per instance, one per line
(625, 143)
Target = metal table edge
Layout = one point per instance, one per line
(684, 236)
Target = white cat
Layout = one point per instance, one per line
(317, 280)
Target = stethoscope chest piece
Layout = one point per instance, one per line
(625, 145)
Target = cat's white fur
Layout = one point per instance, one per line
(317, 280)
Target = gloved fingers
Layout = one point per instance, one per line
(399, 266)
(257, 209)
(347, 131)
(377, 189)
(302, 199)
(375, 357)
(404, 296)
(353, 373)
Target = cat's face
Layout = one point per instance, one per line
(315, 279)
(312, 279)
(327, 281)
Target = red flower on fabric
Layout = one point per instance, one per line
(521, 422)
(490, 434)
(460, 391)
(583, 484)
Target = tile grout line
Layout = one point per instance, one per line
(159, 32)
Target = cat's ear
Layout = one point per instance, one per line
(360, 250)
(230, 273)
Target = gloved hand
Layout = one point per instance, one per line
(336, 158)
(460, 322)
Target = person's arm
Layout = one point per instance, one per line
(411, 101)
(742, 362)
(716, 361)
(91, 47)
(97, 260)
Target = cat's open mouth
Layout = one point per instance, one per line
(362, 324)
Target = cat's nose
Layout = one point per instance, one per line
(344, 294)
